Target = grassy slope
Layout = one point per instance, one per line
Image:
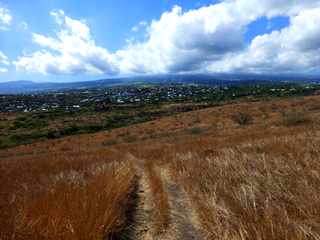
(254, 180)
(25, 128)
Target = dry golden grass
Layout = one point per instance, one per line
(258, 190)
(249, 181)
(64, 197)
(259, 181)
(161, 212)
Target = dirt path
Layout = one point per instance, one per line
(143, 220)
(141, 225)
(184, 222)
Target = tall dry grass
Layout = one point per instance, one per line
(267, 189)
(161, 211)
(259, 181)
(65, 196)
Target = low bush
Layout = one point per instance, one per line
(294, 118)
(109, 142)
(29, 123)
(130, 139)
(242, 118)
(196, 131)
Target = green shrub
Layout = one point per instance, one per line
(73, 129)
(53, 134)
(196, 131)
(109, 142)
(242, 118)
(91, 128)
(5, 143)
(130, 139)
(294, 118)
(18, 139)
(28, 123)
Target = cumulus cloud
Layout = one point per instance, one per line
(5, 18)
(3, 70)
(135, 29)
(24, 25)
(139, 26)
(3, 61)
(71, 51)
(181, 41)
(207, 39)
(295, 48)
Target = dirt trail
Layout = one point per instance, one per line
(184, 222)
(143, 219)
(141, 225)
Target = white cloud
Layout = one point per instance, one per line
(3, 61)
(183, 41)
(5, 18)
(3, 70)
(139, 26)
(24, 26)
(71, 51)
(135, 29)
(293, 49)
(130, 40)
(209, 38)
(190, 41)
(143, 23)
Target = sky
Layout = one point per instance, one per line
(75, 40)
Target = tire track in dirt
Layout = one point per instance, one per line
(184, 223)
(143, 219)
(141, 225)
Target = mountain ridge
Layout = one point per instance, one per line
(29, 86)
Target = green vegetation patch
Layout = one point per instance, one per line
(29, 123)
(242, 118)
(294, 118)
(196, 130)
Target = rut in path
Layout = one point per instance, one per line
(142, 225)
(184, 223)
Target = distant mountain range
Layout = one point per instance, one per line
(18, 87)
(23, 86)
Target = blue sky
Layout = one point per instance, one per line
(121, 37)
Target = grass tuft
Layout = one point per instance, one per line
(242, 118)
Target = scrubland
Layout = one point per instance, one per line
(248, 170)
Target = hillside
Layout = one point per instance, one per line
(243, 170)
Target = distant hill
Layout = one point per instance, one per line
(18, 87)
(23, 86)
